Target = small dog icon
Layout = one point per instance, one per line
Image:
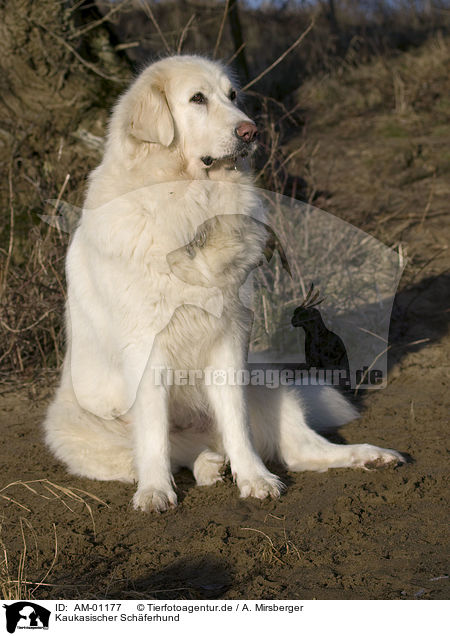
(26, 611)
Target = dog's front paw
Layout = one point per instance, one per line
(261, 486)
(154, 499)
(368, 456)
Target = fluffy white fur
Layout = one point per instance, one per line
(135, 302)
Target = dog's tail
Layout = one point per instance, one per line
(322, 408)
(326, 408)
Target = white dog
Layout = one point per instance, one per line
(147, 292)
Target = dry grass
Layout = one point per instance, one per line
(14, 582)
(32, 287)
(50, 491)
(399, 89)
(374, 153)
(382, 133)
(32, 305)
(279, 549)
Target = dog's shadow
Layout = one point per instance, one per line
(189, 578)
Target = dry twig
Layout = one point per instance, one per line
(96, 23)
(222, 24)
(148, 10)
(184, 33)
(281, 57)
(11, 231)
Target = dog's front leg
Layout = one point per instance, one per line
(228, 402)
(150, 420)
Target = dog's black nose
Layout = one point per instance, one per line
(246, 131)
(207, 160)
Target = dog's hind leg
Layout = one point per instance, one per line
(89, 446)
(192, 449)
(280, 431)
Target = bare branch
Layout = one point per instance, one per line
(97, 23)
(88, 65)
(281, 58)
(56, 206)
(22, 329)
(184, 33)
(235, 54)
(11, 230)
(222, 24)
(147, 9)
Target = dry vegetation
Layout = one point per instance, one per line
(50, 143)
(371, 87)
(58, 89)
(390, 120)
(14, 583)
(49, 99)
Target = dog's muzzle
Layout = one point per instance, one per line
(245, 134)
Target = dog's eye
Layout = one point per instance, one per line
(199, 98)
(233, 94)
(190, 250)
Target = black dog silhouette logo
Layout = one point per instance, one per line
(26, 615)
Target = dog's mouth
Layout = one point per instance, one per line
(230, 160)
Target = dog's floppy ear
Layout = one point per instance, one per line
(151, 118)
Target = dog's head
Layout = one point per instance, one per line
(191, 103)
